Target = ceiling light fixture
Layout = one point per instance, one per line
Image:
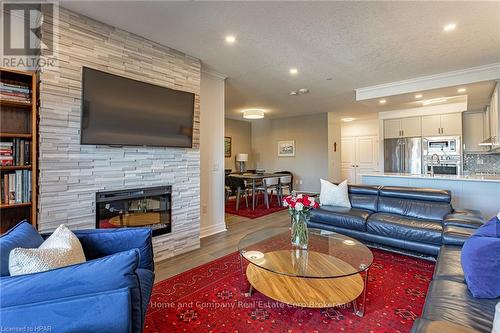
(293, 93)
(434, 101)
(348, 119)
(303, 91)
(461, 90)
(418, 96)
(294, 71)
(230, 39)
(450, 27)
(382, 101)
(253, 114)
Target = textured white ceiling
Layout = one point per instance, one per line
(356, 44)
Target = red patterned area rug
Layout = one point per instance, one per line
(260, 209)
(209, 299)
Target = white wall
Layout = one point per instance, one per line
(334, 147)
(212, 153)
(311, 147)
(362, 127)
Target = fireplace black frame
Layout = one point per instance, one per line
(136, 193)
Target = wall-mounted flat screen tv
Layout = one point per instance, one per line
(125, 112)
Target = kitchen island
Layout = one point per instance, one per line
(470, 192)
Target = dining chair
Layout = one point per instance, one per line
(271, 184)
(285, 183)
(241, 189)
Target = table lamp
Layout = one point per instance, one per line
(241, 159)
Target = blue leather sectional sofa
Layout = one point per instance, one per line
(422, 221)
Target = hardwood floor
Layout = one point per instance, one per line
(218, 245)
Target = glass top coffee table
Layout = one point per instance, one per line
(333, 270)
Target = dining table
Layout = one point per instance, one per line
(253, 178)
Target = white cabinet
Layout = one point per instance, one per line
(358, 155)
(402, 128)
(495, 118)
(475, 130)
(442, 124)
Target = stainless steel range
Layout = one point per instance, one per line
(442, 155)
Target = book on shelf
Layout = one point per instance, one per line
(15, 91)
(15, 152)
(16, 187)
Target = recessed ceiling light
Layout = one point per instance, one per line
(294, 71)
(253, 114)
(382, 101)
(418, 96)
(450, 27)
(461, 90)
(293, 93)
(348, 119)
(230, 39)
(303, 91)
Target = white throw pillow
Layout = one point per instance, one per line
(61, 249)
(334, 195)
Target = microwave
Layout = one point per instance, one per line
(442, 145)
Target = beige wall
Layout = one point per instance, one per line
(241, 140)
(311, 147)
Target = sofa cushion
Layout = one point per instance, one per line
(428, 326)
(364, 197)
(427, 204)
(481, 260)
(448, 265)
(463, 220)
(453, 235)
(452, 301)
(22, 235)
(350, 218)
(407, 228)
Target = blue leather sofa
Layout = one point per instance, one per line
(108, 293)
(422, 221)
(407, 218)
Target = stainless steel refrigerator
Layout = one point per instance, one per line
(403, 155)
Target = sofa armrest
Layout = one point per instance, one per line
(460, 219)
(108, 311)
(105, 274)
(98, 243)
(453, 235)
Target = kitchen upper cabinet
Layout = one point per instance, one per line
(494, 114)
(475, 130)
(359, 155)
(431, 125)
(402, 128)
(442, 124)
(451, 124)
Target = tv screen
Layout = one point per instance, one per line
(126, 112)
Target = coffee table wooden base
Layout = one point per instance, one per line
(305, 292)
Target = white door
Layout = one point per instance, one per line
(431, 125)
(411, 127)
(349, 174)
(348, 152)
(367, 152)
(451, 124)
(392, 128)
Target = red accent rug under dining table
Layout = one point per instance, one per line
(259, 211)
(210, 298)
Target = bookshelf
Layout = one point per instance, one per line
(18, 147)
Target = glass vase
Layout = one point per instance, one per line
(299, 233)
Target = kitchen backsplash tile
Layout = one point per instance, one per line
(482, 163)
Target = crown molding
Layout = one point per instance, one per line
(442, 80)
(212, 72)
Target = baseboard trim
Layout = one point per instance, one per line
(212, 230)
